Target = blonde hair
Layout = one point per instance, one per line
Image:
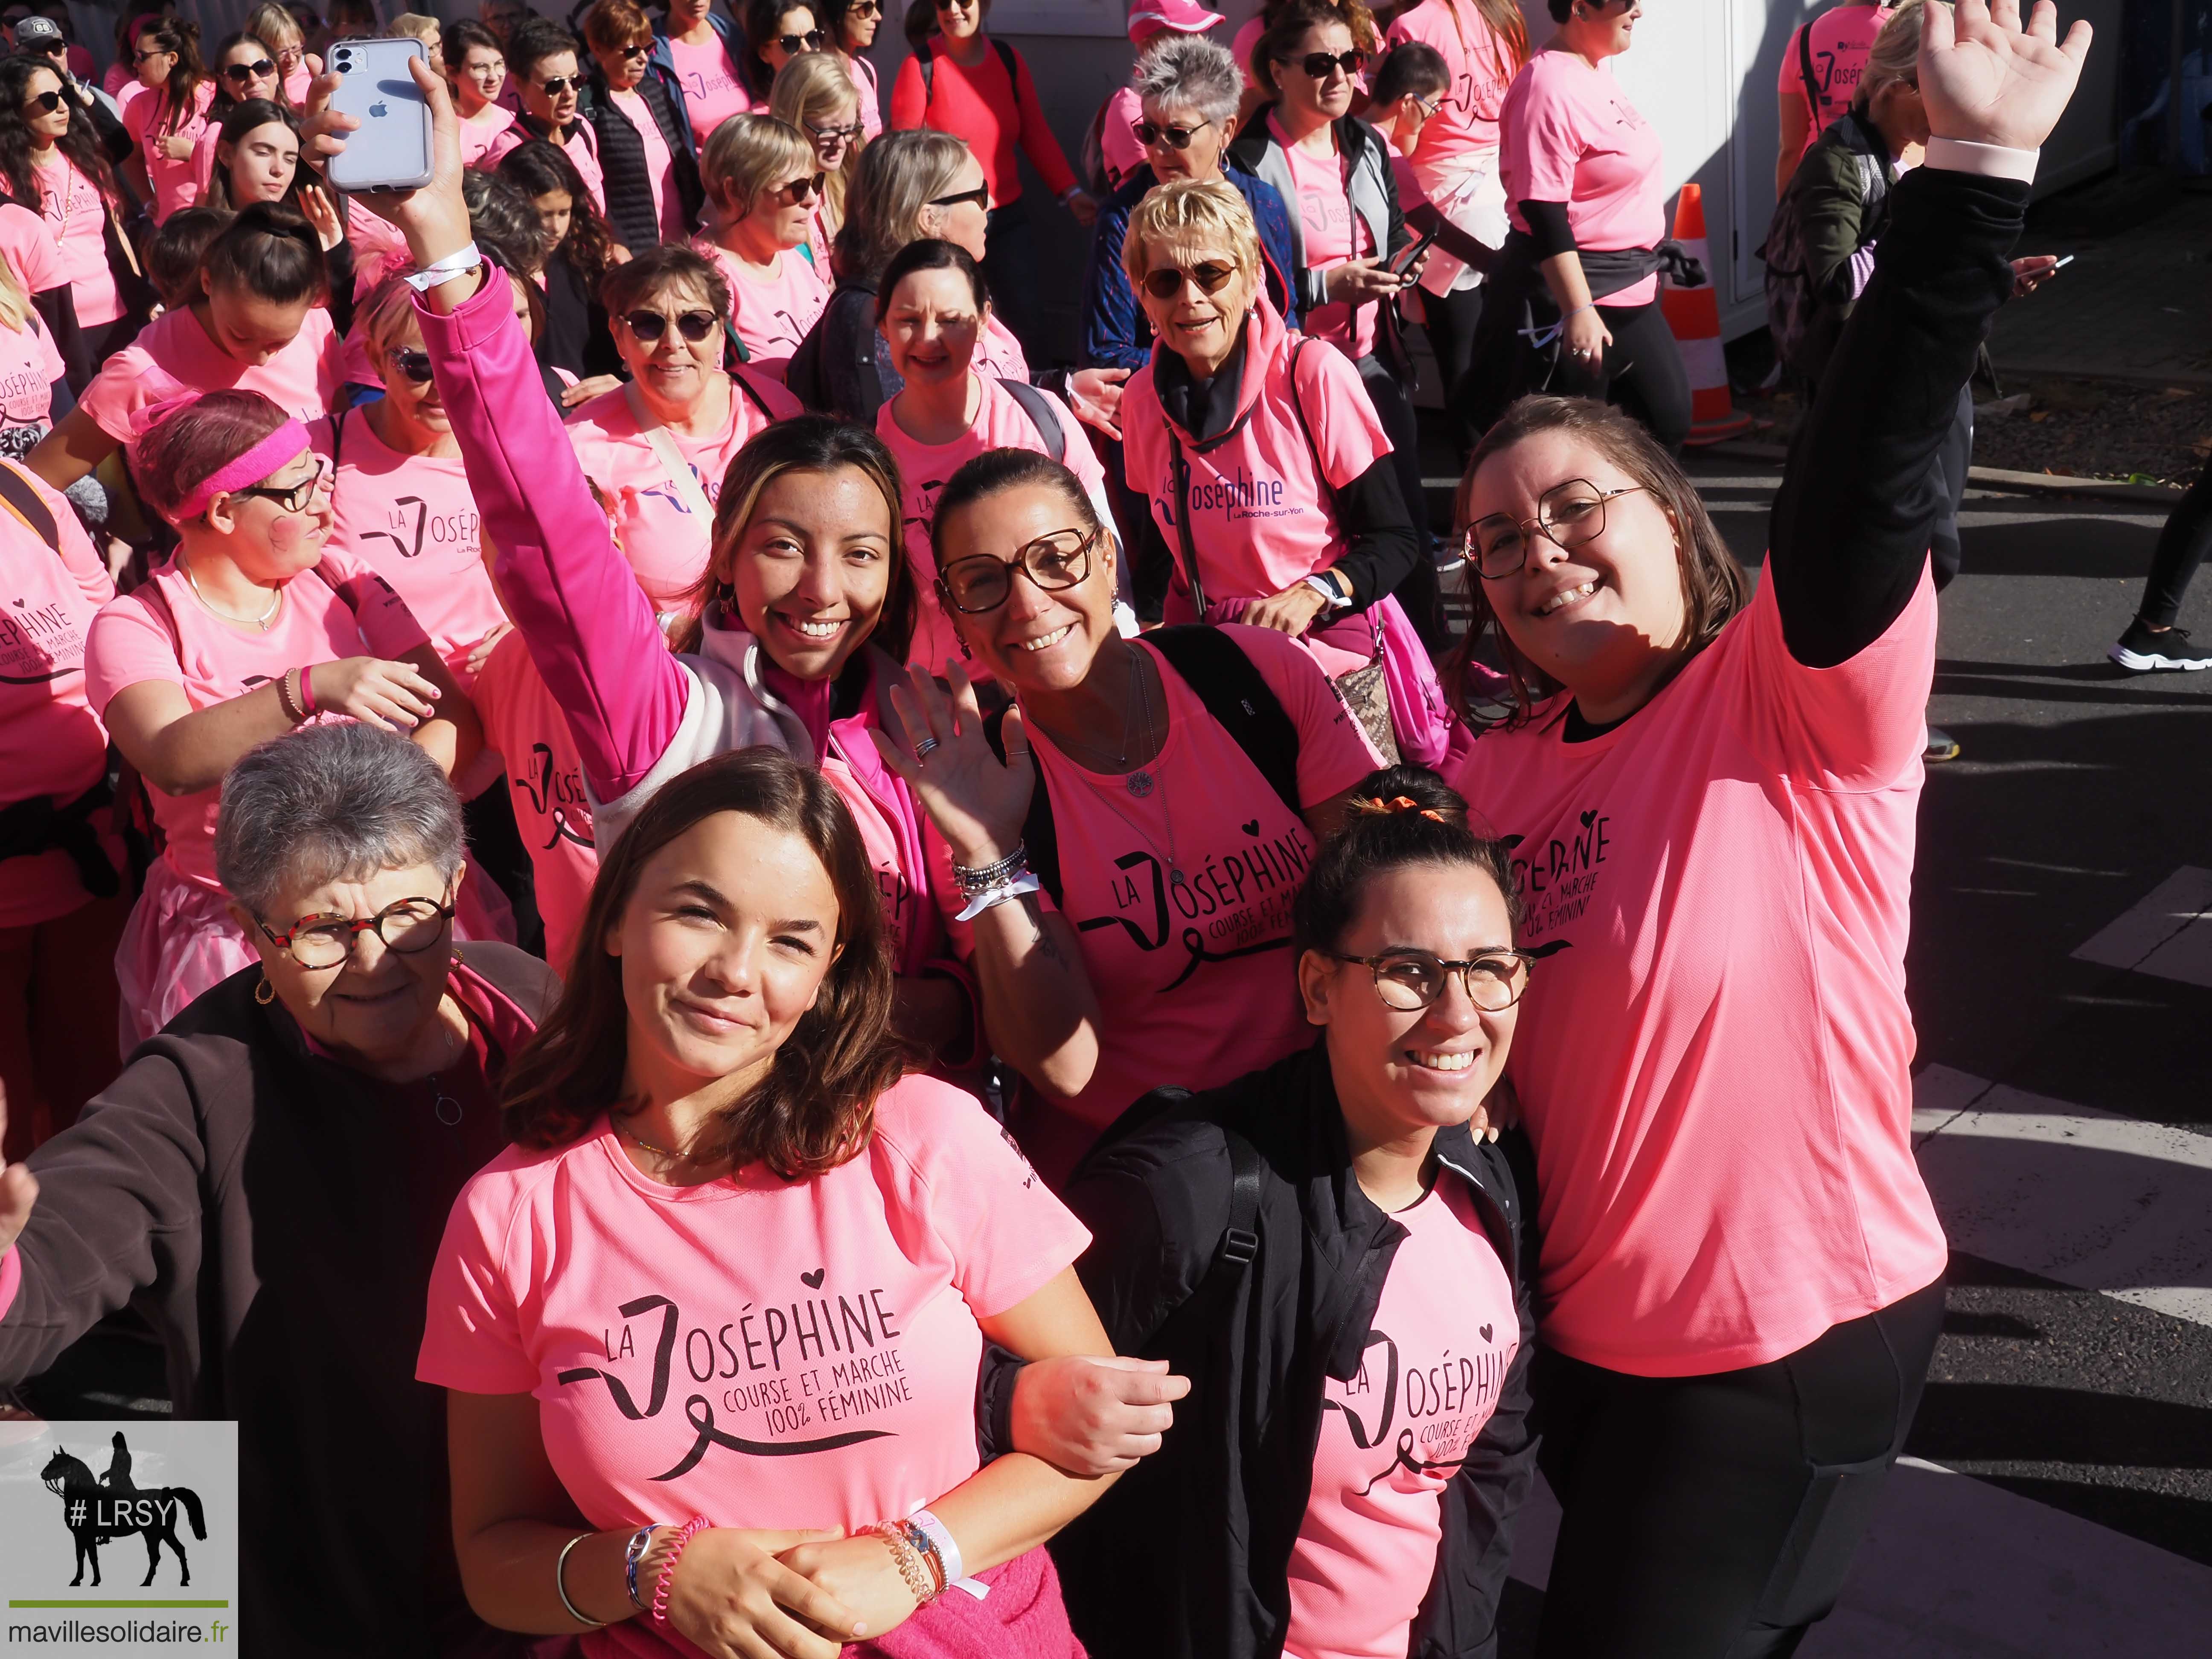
(1895, 55)
(746, 155)
(386, 316)
(274, 27)
(809, 87)
(1207, 209)
(14, 303)
(414, 24)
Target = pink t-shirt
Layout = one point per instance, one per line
(146, 119)
(162, 632)
(924, 469)
(1724, 1159)
(524, 724)
(752, 1340)
(301, 78)
(412, 519)
(78, 219)
(51, 742)
(1193, 971)
(667, 545)
(659, 165)
(1571, 135)
(1443, 1336)
(174, 354)
(26, 242)
(479, 134)
(1260, 518)
(862, 73)
(29, 365)
(772, 316)
(1842, 37)
(1334, 234)
(711, 91)
(1410, 193)
(1481, 65)
(581, 146)
(1000, 353)
(1117, 144)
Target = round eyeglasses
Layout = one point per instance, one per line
(1055, 563)
(410, 927)
(1569, 514)
(292, 497)
(649, 326)
(1411, 979)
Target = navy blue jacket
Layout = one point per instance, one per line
(1117, 334)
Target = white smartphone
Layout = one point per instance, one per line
(390, 148)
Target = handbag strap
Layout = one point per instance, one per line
(680, 474)
(1179, 469)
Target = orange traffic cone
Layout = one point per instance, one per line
(1694, 314)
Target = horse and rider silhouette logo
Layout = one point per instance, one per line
(99, 1511)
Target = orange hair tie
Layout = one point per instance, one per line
(1396, 804)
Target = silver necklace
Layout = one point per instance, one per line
(260, 621)
(1128, 727)
(1140, 784)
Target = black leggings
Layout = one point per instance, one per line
(1715, 1518)
(2181, 548)
(1450, 322)
(1419, 594)
(1642, 373)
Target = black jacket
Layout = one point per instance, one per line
(1188, 1553)
(622, 158)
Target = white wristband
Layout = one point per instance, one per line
(954, 1570)
(444, 270)
(977, 903)
(1988, 161)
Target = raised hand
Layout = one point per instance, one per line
(1987, 80)
(434, 219)
(977, 801)
(19, 1189)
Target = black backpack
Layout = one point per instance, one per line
(1234, 692)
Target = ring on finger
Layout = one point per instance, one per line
(921, 750)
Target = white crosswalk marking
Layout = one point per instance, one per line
(2168, 933)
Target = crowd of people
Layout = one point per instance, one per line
(614, 781)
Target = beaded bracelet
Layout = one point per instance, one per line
(982, 877)
(908, 1560)
(294, 711)
(685, 1534)
(927, 1545)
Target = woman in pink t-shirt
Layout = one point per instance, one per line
(30, 366)
(646, 144)
(1712, 797)
(762, 185)
(815, 96)
(1574, 306)
(251, 630)
(852, 25)
(544, 74)
(696, 45)
(58, 166)
(932, 307)
(1160, 798)
(1822, 63)
(63, 901)
(1274, 500)
(1381, 1330)
(274, 24)
(476, 68)
(260, 326)
(659, 445)
(716, 1115)
(167, 122)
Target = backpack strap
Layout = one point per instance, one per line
(1037, 405)
(19, 497)
(1038, 834)
(1013, 74)
(736, 342)
(753, 397)
(1240, 1240)
(1305, 427)
(1179, 472)
(926, 61)
(1238, 695)
(1814, 95)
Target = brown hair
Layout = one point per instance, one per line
(1290, 27)
(816, 1108)
(1433, 830)
(271, 252)
(170, 458)
(611, 24)
(181, 36)
(662, 266)
(174, 250)
(1714, 587)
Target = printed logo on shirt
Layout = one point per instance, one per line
(1557, 879)
(554, 794)
(409, 521)
(39, 643)
(775, 1374)
(1483, 99)
(1236, 495)
(1236, 904)
(1438, 1405)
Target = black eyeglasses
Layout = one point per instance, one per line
(410, 927)
(849, 132)
(637, 52)
(649, 326)
(1408, 980)
(1053, 563)
(559, 84)
(45, 103)
(291, 498)
(1151, 132)
(1568, 513)
(414, 364)
(1166, 282)
(795, 44)
(799, 189)
(981, 196)
(158, 51)
(1317, 65)
(242, 73)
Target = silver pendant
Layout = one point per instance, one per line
(1140, 784)
(1177, 878)
(447, 1103)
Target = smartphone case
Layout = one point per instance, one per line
(391, 150)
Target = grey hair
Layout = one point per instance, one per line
(1895, 55)
(332, 803)
(1188, 71)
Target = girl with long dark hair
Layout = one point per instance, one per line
(52, 162)
(169, 118)
(577, 335)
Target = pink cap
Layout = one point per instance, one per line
(1178, 16)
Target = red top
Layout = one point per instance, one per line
(991, 111)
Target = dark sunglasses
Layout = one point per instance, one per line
(414, 364)
(1317, 65)
(864, 8)
(1166, 283)
(242, 73)
(981, 196)
(559, 84)
(1151, 132)
(649, 326)
(45, 104)
(158, 51)
(637, 51)
(792, 194)
(795, 44)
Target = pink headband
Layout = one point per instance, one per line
(257, 463)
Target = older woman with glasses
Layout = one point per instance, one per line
(851, 26)
(659, 445)
(542, 59)
(1275, 500)
(646, 144)
(814, 94)
(764, 183)
(268, 1180)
